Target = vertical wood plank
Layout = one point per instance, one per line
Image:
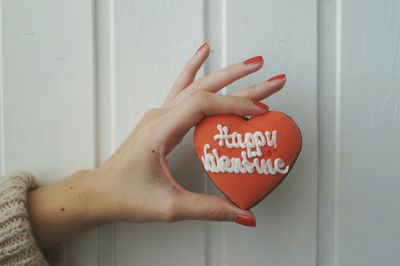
(48, 81)
(152, 42)
(329, 28)
(105, 73)
(48, 95)
(369, 187)
(285, 33)
(359, 92)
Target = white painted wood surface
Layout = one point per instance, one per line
(359, 126)
(48, 96)
(77, 75)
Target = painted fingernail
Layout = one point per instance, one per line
(280, 76)
(201, 47)
(245, 220)
(261, 105)
(253, 60)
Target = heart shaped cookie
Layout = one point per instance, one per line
(247, 158)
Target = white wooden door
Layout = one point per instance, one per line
(77, 75)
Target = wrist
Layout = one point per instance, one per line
(63, 209)
(92, 197)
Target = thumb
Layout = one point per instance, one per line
(197, 206)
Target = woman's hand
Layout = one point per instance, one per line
(135, 184)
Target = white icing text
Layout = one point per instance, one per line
(252, 143)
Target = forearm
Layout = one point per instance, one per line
(65, 208)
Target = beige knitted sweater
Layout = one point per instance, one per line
(17, 244)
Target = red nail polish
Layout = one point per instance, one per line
(201, 47)
(245, 220)
(253, 60)
(261, 105)
(280, 76)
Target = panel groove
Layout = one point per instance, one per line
(112, 76)
(106, 112)
(338, 97)
(95, 116)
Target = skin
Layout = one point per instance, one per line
(135, 184)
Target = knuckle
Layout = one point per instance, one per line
(151, 113)
(238, 99)
(202, 95)
(189, 69)
(147, 127)
(238, 103)
(150, 127)
(148, 132)
(231, 72)
(217, 212)
(202, 99)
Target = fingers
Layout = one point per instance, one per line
(189, 72)
(198, 206)
(226, 76)
(263, 89)
(187, 114)
(218, 80)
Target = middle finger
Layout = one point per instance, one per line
(216, 81)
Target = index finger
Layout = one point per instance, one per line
(186, 115)
(224, 77)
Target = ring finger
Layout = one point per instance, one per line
(264, 89)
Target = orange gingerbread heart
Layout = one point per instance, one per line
(247, 158)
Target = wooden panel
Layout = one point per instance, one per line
(369, 190)
(152, 41)
(328, 153)
(150, 46)
(48, 95)
(48, 87)
(284, 32)
(104, 39)
(359, 114)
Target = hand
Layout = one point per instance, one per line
(136, 183)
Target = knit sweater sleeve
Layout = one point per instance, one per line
(17, 244)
